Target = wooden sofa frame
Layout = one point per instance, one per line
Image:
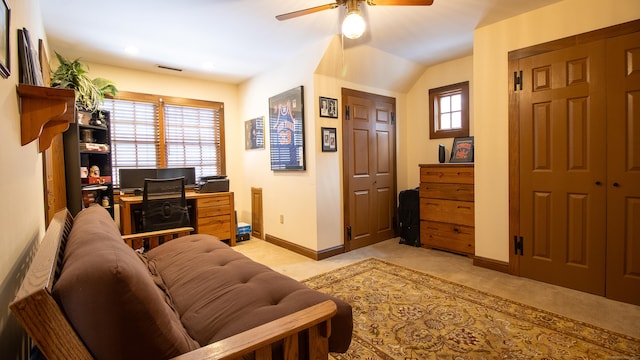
(45, 322)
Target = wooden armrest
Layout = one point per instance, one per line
(151, 239)
(259, 340)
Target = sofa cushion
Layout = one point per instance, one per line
(219, 292)
(110, 298)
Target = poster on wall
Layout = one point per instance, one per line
(254, 133)
(286, 130)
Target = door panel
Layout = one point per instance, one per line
(562, 161)
(369, 168)
(623, 170)
(257, 227)
(55, 190)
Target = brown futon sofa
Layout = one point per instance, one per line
(90, 295)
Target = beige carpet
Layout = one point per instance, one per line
(400, 313)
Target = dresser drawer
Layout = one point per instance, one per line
(461, 192)
(457, 238)
(447, 174)
(447, 211)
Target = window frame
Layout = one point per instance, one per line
(434, 112)
(159, 101)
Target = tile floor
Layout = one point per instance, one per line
(596, 310)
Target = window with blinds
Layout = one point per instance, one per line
(192, 137)
(149, 131)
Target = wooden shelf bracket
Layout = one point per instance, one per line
(44, 113)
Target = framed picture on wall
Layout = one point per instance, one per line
(254, 133)
(329, 142)
(5, 56)
(328, 107)
(286, 130)
(462, 150)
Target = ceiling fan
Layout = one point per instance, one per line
(353, 25)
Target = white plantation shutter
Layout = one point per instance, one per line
(192, 138)
(134, 135)
(147, 132)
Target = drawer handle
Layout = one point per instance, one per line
(456, 230)
(464, 207)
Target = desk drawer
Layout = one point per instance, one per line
(219, 226)
(447, 211)
(214, 201)
(204, 212)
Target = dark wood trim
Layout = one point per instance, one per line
(327, 253)
(315, 255)
(600, 34)
(491, 264)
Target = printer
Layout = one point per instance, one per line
(210, 184)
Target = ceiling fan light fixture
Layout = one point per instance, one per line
(353, 25)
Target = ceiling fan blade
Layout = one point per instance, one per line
(400, 2)
(306, 11)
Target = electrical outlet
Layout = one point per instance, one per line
(281, 219)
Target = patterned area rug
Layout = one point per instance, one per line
(405, 314)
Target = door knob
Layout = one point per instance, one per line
(615, 184)
(598, 183)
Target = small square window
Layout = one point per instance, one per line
(449, 111)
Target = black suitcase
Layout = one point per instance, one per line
(409, 216)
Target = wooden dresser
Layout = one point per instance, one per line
(447, 208)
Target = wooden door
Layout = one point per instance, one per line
(563, 167)
(55, 193)
(369, 168)
(257, 230)
(623, 170)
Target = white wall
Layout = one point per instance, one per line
(382, 74)
(287, 193)
(490, 77)
(21, 186)
(415, 137)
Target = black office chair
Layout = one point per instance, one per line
(164, 205)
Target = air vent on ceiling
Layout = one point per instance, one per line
(168, 68)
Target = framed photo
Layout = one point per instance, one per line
(254, 133)
(5, 57)
(286, 130)
(329, 141)
(462, 150)
(328, 107)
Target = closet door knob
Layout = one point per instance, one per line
(598, 183)
(615, 184)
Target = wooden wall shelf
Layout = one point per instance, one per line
(44, 113)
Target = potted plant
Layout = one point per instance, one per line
(89, 92)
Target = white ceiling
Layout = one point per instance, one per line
(242, 38)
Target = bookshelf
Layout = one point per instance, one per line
(87, 155)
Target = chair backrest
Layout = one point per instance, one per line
(164, 205)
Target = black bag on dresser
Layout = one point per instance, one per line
(409, 216)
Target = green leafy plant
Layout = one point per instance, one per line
(89, 92)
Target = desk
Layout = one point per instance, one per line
(211, 213)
